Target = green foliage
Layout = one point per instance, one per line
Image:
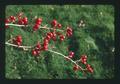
(96, 40)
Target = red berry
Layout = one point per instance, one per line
(48, 37)
(38, 21)
(34, 52)
(25, 20)
(59, 25)
(20, 22)
(50, 34)
(54, 23)
(45, 47)
(46, 41)
(35, 27)
(37, 51)
(84, 62)
(12, 18)
(54, 36)
(18, 43)
(75, 68)
(18, 38)
(38, 45)
(7, 20)
(84, 59)
(89, 68)
(62, 37)
(71, 54)
(68, 34)
(69, 29)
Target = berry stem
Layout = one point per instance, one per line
(78, 60)
(48, 28)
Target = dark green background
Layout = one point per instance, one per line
(96, 40)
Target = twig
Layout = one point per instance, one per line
(67, 58)
(44, 27)
(16, 25)
(23, 47)
(78, 60)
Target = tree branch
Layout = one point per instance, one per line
(44, 27)
(23, 47)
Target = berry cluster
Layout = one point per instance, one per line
(18, 40)
(55, 24)
(36, 50)
(38, 22)
(52, 35)
(84, 59)
(11, 19)
(19, 19)
(23, 21)
(89, 68)
(69, 31)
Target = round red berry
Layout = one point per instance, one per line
(45, 47)
(62, 37)
(75, 67)
(48, 37)
(68, 34)
(20, 22)
(69, 29)
(35, 27)
(46, 41)
(18, 43)
(12, 18)
(38, 21)
(71, 54)
(38, 45)
(19, 38)
(7, 20)
(59, 25)
(34, 52)
(25, 20)
(50, 34)
(89, 68)
(54, 23)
